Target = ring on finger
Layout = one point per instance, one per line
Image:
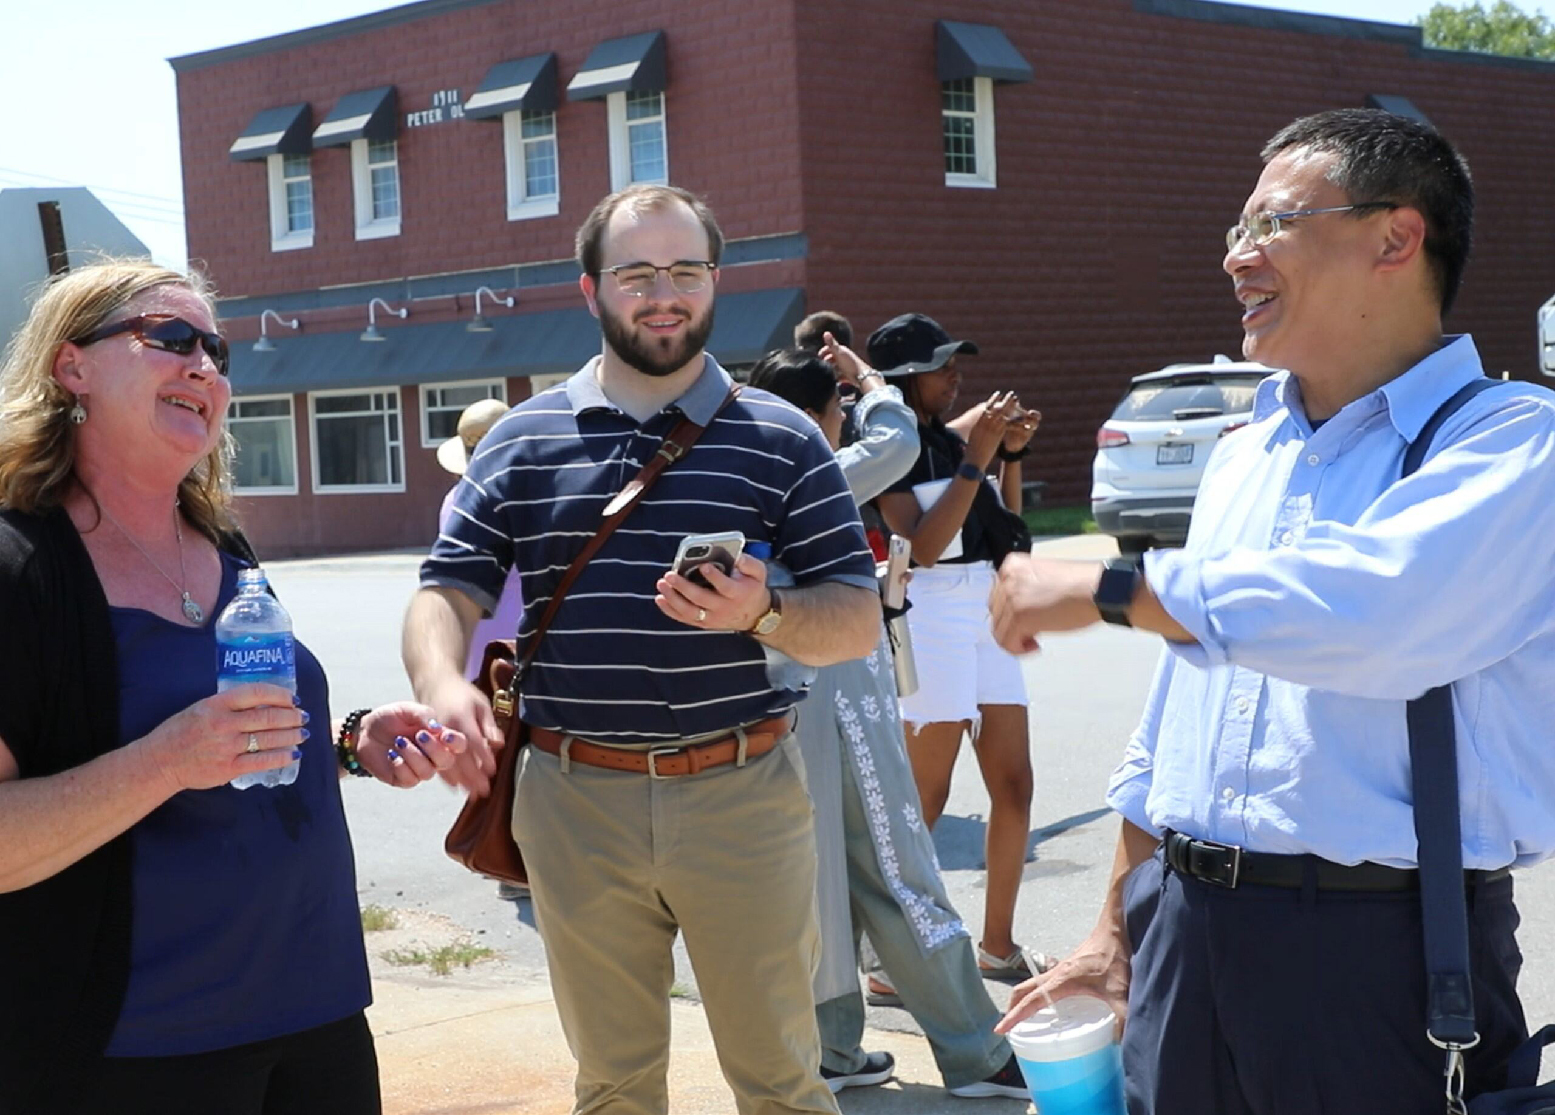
(253, 743)
(701, 615)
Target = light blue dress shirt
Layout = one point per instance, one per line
(1325, 592)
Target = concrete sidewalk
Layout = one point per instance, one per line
(476, 1043)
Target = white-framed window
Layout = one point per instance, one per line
(442, 403)
(265, 429)
(534, 182)
(966, 110)
(291, 201)
(357, 444)
(375, 183)
(639, 151)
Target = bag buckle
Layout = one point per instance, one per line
(502, 703)
(653, 756)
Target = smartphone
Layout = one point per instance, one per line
(708, 549)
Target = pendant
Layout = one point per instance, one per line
(192, 611)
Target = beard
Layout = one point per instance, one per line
(654, 356)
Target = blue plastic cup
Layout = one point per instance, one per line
(1069, 1058)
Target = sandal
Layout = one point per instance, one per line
(1020, 965)
(878, 991)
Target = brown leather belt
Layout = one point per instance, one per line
(667, 762)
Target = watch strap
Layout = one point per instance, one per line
(968, 471)
(1115, 591)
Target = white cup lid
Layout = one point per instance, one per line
(1069, 1028)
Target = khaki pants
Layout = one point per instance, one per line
(618, 863)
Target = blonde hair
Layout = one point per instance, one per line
(37, 438)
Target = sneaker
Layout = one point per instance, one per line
(512, 892)
(1007, 1082)
(877, 1069)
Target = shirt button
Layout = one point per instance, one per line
(1314, 459)
(1287, 538)
(1228, 793)
(1241, 704)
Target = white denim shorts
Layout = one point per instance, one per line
(959, 665)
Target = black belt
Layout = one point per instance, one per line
(1226, 865)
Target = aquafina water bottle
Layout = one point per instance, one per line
(254, 643)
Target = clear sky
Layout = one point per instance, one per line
(88, 97)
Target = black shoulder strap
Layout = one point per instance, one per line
(1433, 762)
(1422, 443)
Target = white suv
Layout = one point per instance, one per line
(1151, 452)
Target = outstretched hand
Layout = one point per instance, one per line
(404, 745)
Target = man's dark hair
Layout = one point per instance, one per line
(797, 376)
(811, 332)
(1381, 156)
(642, 199)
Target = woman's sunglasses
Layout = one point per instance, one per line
(166, 332)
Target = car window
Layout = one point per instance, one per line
(1180, 400)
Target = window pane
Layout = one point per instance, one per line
(294, 166)
(342, 404)
(539, 168)
(958, 96)
(639, 106)
(647, 146)
(533, 125)
(960, 145)
(299, 205)
(386, 192)
(442, 424)
(261, 408)
(353, 451)
(264, 453)
(381, 151)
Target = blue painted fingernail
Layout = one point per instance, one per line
(306, 734)
(401, 742)
(435, 726)
(306, 717)
(392, 754)
(423, 736)
(296, 753)
(296, 700)
(448, 737)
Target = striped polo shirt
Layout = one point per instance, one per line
(613, 667)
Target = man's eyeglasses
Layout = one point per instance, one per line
(168, 333)
(1260, 228)
(686, 275)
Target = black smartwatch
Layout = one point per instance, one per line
(1115, 591)
(968, 471)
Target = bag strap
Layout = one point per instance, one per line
(676, 444)
(1434, 779)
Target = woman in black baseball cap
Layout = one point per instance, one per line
(961, 529)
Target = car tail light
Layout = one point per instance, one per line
(1228, 429)
(1109, 438)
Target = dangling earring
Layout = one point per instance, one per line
(78, 412)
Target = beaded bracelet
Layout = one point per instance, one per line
(345, 744)
(1015, 455)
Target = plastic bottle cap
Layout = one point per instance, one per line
(1069, 1028)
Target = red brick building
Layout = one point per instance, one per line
(1051, 179)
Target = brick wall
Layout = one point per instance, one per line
(1119, 168)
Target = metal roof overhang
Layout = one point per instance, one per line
(746, 327)
(522, 84)
(977, 50)
(1399, 106)
(365, 114)
(284, 130)
(634, 64)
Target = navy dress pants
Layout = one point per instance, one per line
(1275, 1001)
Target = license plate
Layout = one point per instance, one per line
(1174, 454)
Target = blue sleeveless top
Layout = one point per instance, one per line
(245, 923)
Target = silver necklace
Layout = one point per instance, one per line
(192, 611)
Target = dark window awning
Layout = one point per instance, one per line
(285, 130)
(1399, 106)
(977, 50)
(523, 83)
(634, 64)
(747, 327)
(365, 114)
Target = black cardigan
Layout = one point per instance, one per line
(65, 941)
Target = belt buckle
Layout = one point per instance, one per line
(1233, 863)
(653, 754)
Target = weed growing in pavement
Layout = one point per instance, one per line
(441, 960)
(375, 918)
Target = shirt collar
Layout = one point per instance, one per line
(700, 402)
(1411, 398)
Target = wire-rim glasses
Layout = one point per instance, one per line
(639, 279)
(1260, 228)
